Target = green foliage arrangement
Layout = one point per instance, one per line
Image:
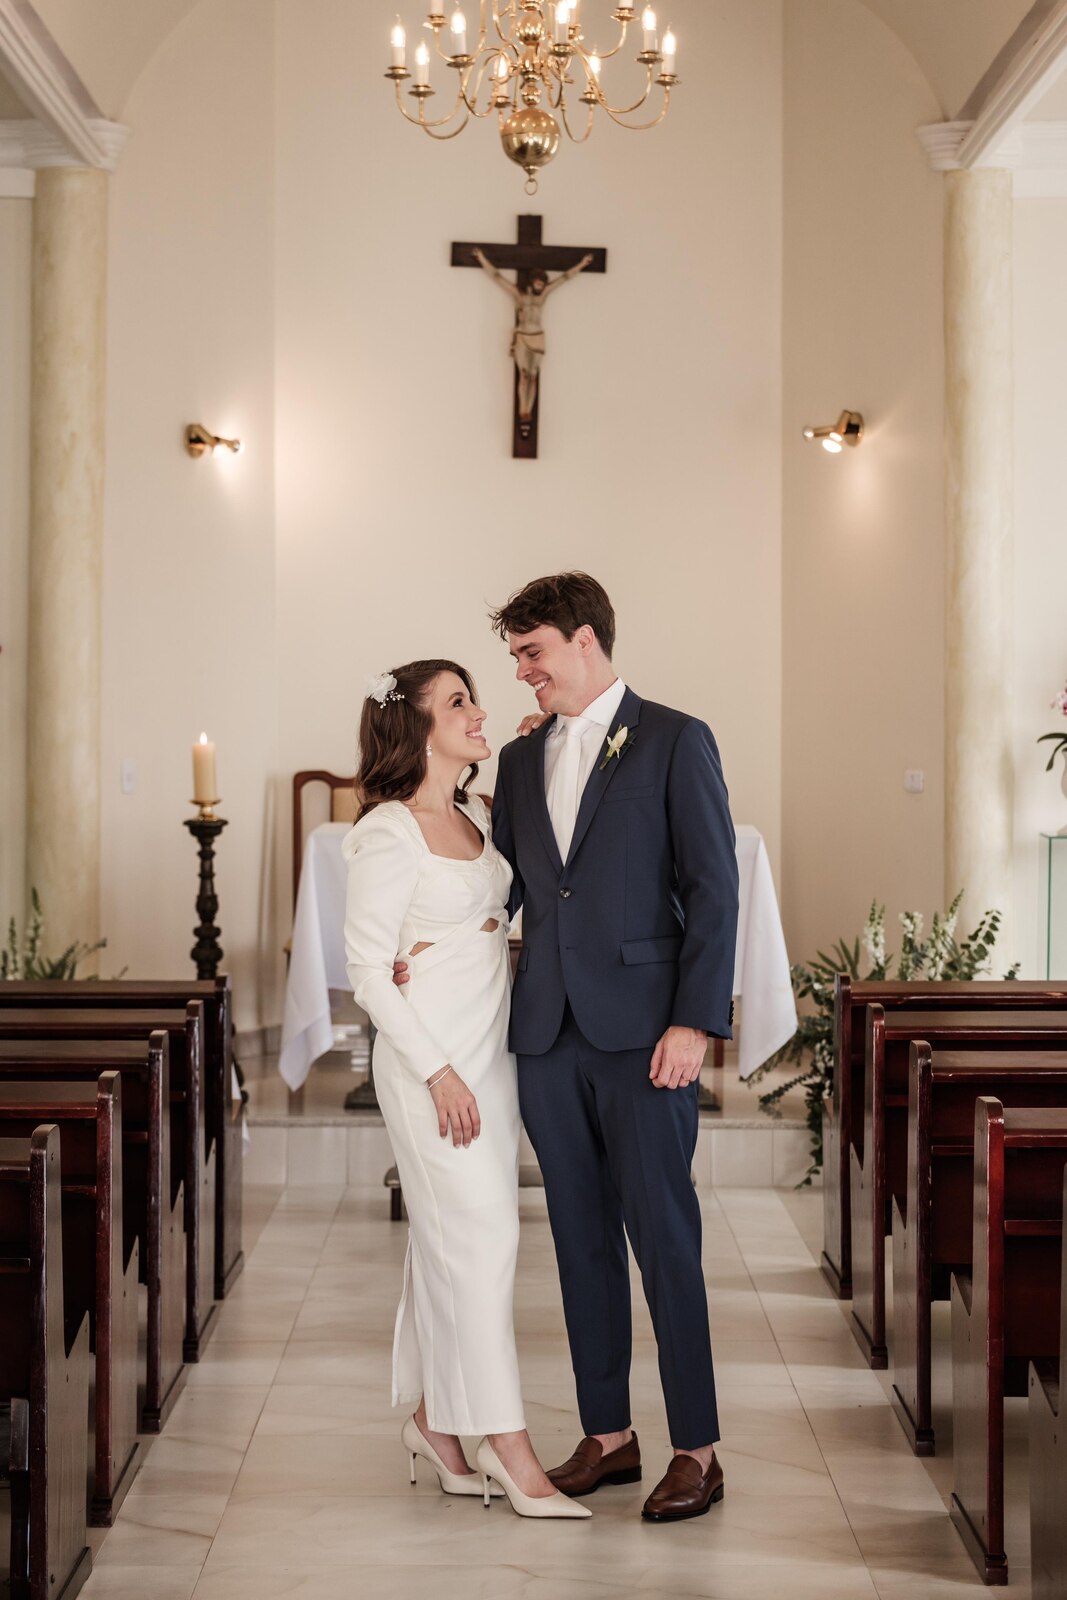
(24, 958)
(941, 956)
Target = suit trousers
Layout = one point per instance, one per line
(616, 1155)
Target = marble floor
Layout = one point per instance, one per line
(280, 1472)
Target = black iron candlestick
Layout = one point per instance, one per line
(207, 951)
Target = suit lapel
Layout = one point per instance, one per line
(628, 715)
(534, 753)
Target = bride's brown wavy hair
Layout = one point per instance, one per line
(393, 737)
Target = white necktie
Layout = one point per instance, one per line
(563, 786)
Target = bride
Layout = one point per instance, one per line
(425, 882)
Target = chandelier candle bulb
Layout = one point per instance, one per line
(648, 28)
(594, 66)
(205, 783)
(670, 51)
(422, 64)
(398, 40)
(563, 22)
(458, 30)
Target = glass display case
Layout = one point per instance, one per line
(1052, 939)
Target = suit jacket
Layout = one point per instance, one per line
(637, 929)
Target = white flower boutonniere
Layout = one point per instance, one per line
(618, 743)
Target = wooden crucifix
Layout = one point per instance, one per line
(532, 263)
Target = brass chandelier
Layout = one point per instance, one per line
(530, 55)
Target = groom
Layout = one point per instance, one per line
(615, 820)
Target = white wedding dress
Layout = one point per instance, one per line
(454, 1339)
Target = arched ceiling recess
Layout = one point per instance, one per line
(953, 41)
(110, 42)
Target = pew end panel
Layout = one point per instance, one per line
(912, 1287)
(868, 1185)
(1048, 1458)
(45, 1380)
(836, 1140)
(1005, 1310)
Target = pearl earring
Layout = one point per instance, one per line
(429, 749)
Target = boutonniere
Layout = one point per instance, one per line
(617, 745)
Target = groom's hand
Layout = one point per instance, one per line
(678, 1057)
(400, 973)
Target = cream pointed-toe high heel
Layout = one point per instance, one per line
(494, 1472)
(416, 1443)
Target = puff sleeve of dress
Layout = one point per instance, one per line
(383, 871)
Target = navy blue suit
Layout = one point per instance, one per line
(635, 932)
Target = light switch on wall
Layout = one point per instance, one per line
(129, 775)
(914, 780)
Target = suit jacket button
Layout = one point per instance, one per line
(564, 894)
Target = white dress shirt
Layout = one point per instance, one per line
(598, 720)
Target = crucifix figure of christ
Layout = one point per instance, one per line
(532, 262)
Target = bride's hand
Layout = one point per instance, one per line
(531, 723)
(456, 1108)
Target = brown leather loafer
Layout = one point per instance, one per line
(589, 1467)
(684, 1491)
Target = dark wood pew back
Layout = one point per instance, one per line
(98, 1280)
(843, 1109)
(193, 1156)
(1048, 1459)
(932, 1222)
(1005, 1309)
(149, 1210)
(879, 1165)
(222, 1112)
(44, 1383)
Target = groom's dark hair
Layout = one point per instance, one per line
(566, 601)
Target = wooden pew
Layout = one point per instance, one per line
(843, 1107)
(1048, 1461)
(192, 1158)
(222, 1114)
(1005, 1310)
(152, 1203)
(879, 1169)
(932, 1225)
(44, 1384)
(98, 1279)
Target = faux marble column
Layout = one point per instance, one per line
(66, 538)
(978, 424)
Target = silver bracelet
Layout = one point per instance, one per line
(431, 1081)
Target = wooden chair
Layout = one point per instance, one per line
(342, 808)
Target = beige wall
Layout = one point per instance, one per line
(862, 532)
(1040, 546)
(15, 229)
(189, 551)
(401, 515)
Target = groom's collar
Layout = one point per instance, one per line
(601, 711)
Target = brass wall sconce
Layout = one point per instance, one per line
(848, 429)
(199, 441)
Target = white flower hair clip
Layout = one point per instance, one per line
(383, 688)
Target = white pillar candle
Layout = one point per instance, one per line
(670, 50)
(422, 63)
(648, 28)
(398, 40)
(458, 30)
(205, 784)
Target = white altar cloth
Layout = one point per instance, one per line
(317, 959)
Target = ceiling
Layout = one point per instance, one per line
(110, 42)
(10, 104)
